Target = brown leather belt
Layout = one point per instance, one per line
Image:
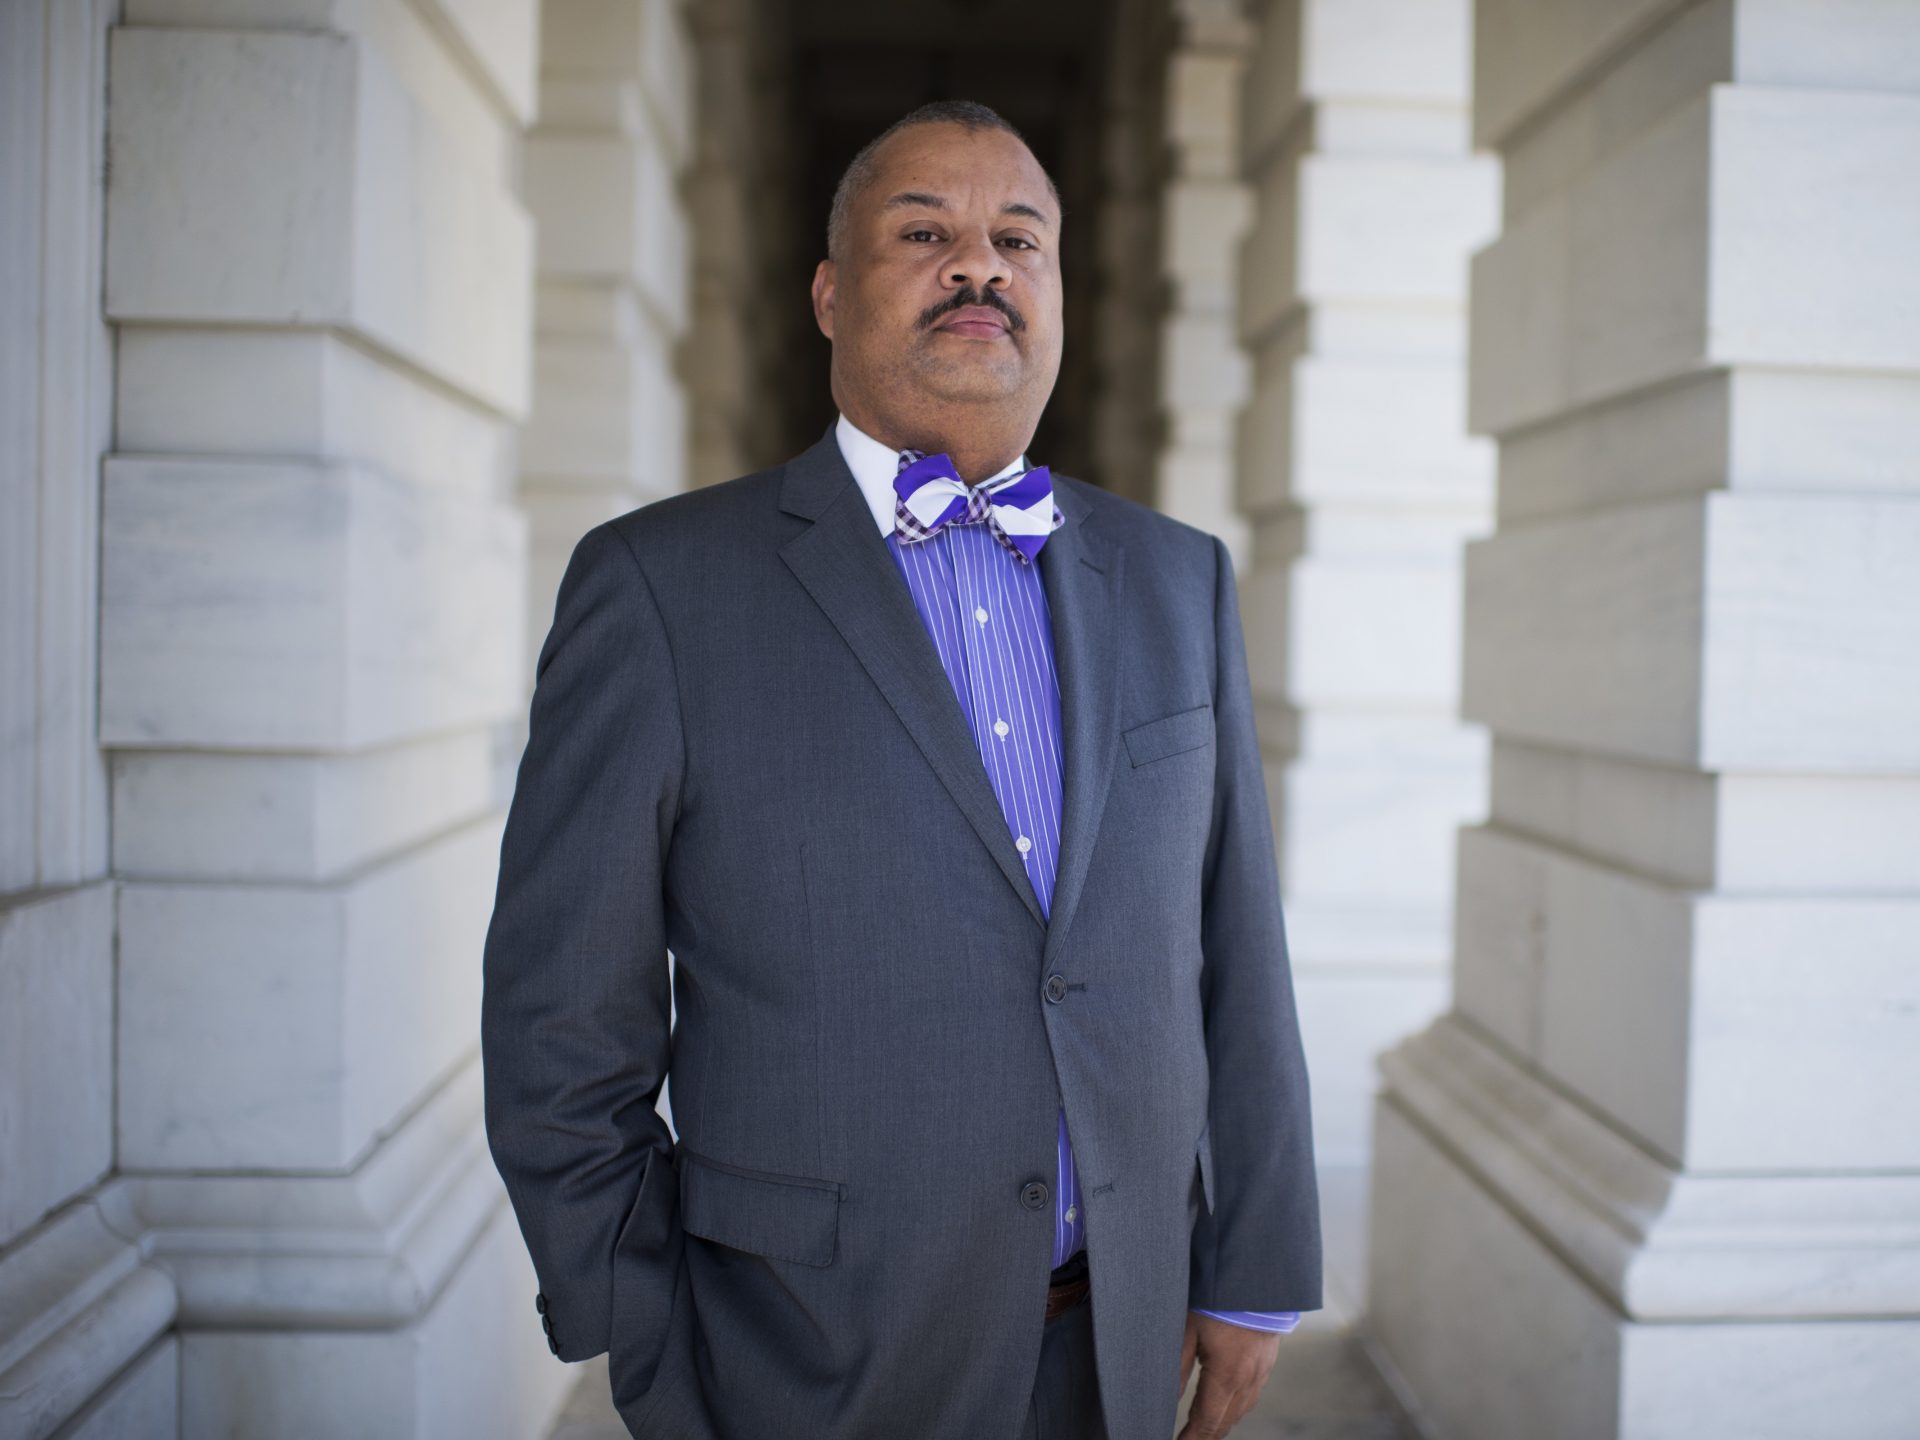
(1063, 1295)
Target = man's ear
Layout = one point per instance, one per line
(823, 286)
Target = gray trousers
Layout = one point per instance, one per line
(1066, 1392)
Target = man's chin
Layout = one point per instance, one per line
(976, 381)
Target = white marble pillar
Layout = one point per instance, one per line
(85, 1323)
(604, 167)
(1204, 209)
(1361, 485)
(1658, 1174)
(312, 641)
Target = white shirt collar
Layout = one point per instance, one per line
(874, 465)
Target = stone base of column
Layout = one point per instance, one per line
(1533, 1273)
(470, 1364)
(85, 1349)
(395, 1300)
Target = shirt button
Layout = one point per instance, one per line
(1056, 988)
(1000, 728)
(1023, 844)
(1072, 1213)
(1033, 1195)
(980, 613)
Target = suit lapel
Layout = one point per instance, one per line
(843, 561)
(1082, 578)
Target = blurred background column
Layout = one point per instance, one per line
(1659, 1172)
(1123, 359)
(748, 304)
(312, 659)
(604, 165)
(1204, 206)
(1361, 484)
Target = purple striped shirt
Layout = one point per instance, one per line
(988, 616)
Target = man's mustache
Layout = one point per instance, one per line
(961, 299)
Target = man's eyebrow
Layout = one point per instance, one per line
(908, 199)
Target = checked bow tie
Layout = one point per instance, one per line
(929, 495)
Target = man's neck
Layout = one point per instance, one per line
(978, 450)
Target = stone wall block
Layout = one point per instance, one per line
(356, 211)
(278, 604)
(56, 1041)
(339, 1005)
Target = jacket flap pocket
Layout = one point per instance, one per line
(1170, 734)
(784, 1217)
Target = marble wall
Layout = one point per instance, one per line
(1657, 1174)
(352, 316)
(1360, 485)
(85, 1319)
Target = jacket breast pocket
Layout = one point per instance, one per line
(783, 1217)
(1170, 735)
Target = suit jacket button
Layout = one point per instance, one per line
(540, 1303)
(553, 1344)
(546, 1323)
(1056, 988)
(1033, 1195)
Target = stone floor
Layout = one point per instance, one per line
(1323, 1388)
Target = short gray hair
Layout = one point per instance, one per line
(968, 114)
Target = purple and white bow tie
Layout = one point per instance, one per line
(929, 494)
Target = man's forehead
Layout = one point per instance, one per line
(932, 200)
(945, 166)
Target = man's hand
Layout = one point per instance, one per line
(1234, 1365)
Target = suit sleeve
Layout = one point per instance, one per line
(1258, 1250)
(575, 1011)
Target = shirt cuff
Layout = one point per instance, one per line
(1273, 1322)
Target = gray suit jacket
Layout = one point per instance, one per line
(743, 749)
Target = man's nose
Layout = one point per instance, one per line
(978, 262)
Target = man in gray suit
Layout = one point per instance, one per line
(937, 775)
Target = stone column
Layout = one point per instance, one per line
(312, 642)
(1658, 1174)
(85, 1322)
(747, 224)
(1126, 422)
(1361, 484)
(604, 183)
(1204, 209)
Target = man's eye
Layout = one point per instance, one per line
(1021, 241)
(911, 234)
